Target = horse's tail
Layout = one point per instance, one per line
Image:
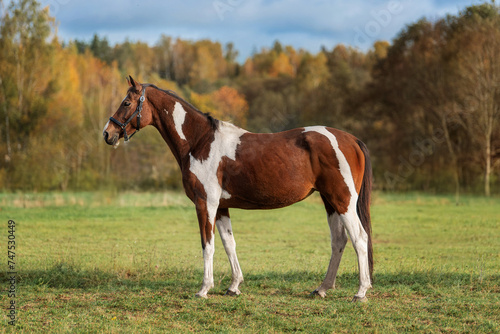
(363, 206)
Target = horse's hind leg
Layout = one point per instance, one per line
(223, 224)
(359, 238)
(350, 221)
(338, 240)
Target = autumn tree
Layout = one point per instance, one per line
(226, 104)
(437, 88)
(230, 104)
(24, 79)
(231, 55)
(183, 59)
(412, 91)
(205, 68)
(344, 75)
(164, 57)
(478, 65)
(427, 104)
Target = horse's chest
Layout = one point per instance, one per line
(206, 171)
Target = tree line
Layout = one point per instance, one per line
(427, 104)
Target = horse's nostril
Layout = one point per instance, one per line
(106, 135)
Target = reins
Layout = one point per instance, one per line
(136, 112)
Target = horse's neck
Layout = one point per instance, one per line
(182, 128)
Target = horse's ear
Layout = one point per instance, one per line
(134, 83)
(129, 83)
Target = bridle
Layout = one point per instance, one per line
(136, 112)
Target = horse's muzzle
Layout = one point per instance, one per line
(110, 140)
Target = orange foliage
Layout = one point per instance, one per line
(225, 104)
(231, 104)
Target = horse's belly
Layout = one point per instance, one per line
(269, 171)
(271, 202)
(267, 188)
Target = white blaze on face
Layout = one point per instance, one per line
(105, 127)
(179, 116)
(345, 169)
(226, 140)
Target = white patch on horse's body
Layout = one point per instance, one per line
(345, 169)
(179, 115)
(350, 219)
(226, 140)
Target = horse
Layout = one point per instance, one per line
(224, 166)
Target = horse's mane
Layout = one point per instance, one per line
(214, 123)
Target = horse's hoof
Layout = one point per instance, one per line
(232, 293)
(357, 299)
(198, 295)
(315, 293)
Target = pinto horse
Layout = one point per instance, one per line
(224, 166)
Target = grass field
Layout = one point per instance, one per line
(132, 263)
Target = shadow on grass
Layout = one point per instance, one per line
(432, 277)
(68, 276)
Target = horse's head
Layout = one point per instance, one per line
(133, 114)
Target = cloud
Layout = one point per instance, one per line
(248, 23)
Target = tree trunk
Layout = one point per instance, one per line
(8, 158)
(488, 166)
(453, 155)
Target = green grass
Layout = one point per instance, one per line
(132, 263)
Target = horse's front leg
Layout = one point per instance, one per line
(223, 223)
(206, 218)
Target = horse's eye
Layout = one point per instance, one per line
(126, 104)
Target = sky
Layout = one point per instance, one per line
(249, 24)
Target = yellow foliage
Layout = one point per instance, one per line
(203, 102)
(282, 66)
(314, 72)
(204, 68)
(66, 103)
(225, 104)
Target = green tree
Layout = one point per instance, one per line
(101, 49)
(231, 55)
